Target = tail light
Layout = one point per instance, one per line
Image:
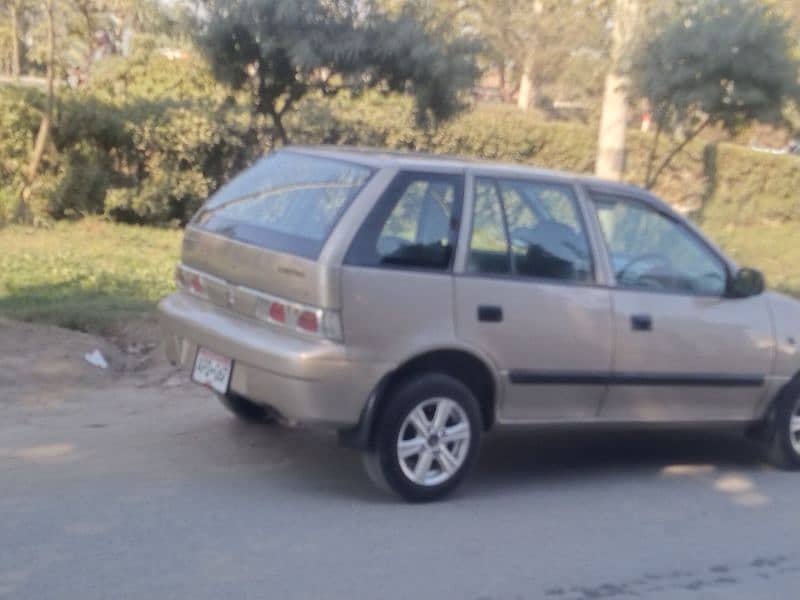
(307, 321)
(277, 312)
(196, 285)
(299, 317)
(190, 282)
(304, 319)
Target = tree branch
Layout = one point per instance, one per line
(652, 157)
(280, 130)
(675, 151)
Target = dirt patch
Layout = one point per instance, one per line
(41, 362)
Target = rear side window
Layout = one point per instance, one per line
(413, 225)
(489, 248)
(287, 202)
(530, 229)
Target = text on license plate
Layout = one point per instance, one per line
(212, 370)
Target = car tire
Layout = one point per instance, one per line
(784, 451)
(427, 438)
(247, 411)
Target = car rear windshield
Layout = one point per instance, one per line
(287, 201)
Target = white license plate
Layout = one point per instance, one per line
(212, 370)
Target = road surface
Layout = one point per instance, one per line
(124, 487)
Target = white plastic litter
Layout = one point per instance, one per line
(96, 359)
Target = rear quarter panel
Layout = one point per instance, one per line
(392, 314)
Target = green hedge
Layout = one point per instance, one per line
(150, 151)
(708, 181)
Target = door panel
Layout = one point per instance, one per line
(683, 350)
(529, 302)
(546, 330)
(705, 359)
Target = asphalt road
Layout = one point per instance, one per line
(155, 492)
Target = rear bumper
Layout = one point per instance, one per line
(304, 380)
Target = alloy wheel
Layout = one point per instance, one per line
(434, 441)
(794, 428)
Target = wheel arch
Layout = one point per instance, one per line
(765, 427)
(464, 365)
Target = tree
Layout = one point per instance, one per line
(14, 11)
(531, 41)
(47, 116)
(720, 62)
(277, 51)
(614, 119)
(15, 8)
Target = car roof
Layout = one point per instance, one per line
(382, 158)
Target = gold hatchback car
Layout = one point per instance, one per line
(414, 302)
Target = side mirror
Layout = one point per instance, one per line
(746, 283)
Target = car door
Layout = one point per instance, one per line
(527, 295)
(684, 350)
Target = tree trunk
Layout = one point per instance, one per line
(610, 161)
(527, 90)
(501, 78)
(15, 49)
(47, 117)
(280, 130)
(613, 124)
(508, 83)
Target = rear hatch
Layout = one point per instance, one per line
(260, 236)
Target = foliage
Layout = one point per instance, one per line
(147, 141)
(720, 62)
(280, 50)
(89, 275)
(549, 40)
(134, 158)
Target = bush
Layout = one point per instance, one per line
(708, 181)
(149, 154)
(151, 150)
(20, 120)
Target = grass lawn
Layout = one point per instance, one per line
(91, 275)
(773, 248)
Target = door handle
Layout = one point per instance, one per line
(490, 314)
(642, 323)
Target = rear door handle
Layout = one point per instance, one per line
(490, 314)
(642, 323)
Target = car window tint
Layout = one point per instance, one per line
(421, 215)
(518, 212)
(548, 239)
(287, 201)
(412, 225)
(649, 250)
(489, 248)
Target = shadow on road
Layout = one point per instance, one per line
(513, 453)
(522, 458)
(514, 460)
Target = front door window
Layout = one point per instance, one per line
(651, 251)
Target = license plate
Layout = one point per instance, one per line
(212, 370)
